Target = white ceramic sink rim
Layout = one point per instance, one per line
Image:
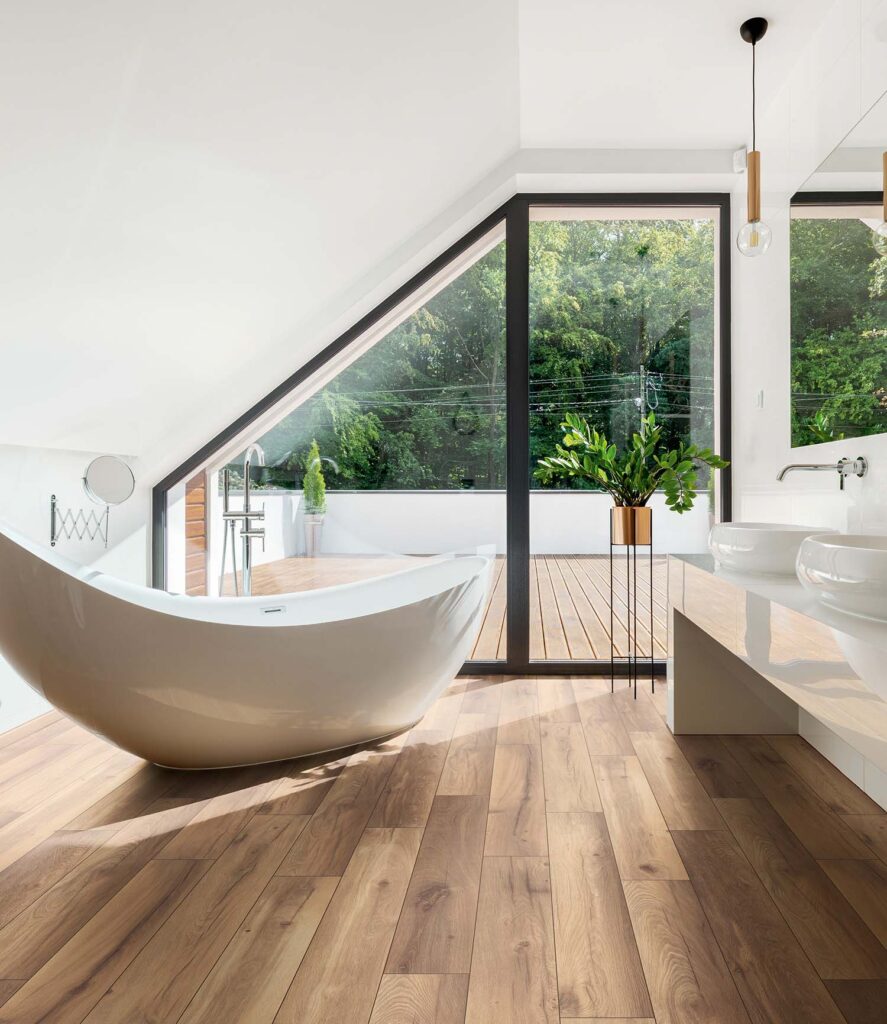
(874, 543)
(761, 549)
(847, 572)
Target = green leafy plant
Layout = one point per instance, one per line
(822, 428)
(632, 476)
(314, 484)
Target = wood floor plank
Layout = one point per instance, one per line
(864, 884)
(834, 938)
(716, 768)
(553, 635)
(513, 976)
(165, 975)
(31, 938)
(66, 988)
(43, 866)
(568, 776)
(13, 737)
(516, 822)
(519, 712)
(861, 1002)
(333, 984)
(209, 832)
(871, 829)
(302, 789)
(757, 944)
(468, 768)
(643, 845)
(407, 796)
(598, 967)
(9, 988)
(839, 793)
(421, 999)
(251, 978)
(128, 800)
(557, 701)
(605, 728)
(326, 845)
(818, 828)
(33, 827)
(436, 927)
(679, 793)
(688, 979)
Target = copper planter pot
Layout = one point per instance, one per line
(630, 524)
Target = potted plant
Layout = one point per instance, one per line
(313, 500)
(629, 477)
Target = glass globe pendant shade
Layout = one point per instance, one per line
(880, 238)
(753, 238)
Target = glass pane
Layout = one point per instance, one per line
(622, 324)
(393, 457)
(839, 324)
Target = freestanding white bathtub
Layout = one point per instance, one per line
(191, 682)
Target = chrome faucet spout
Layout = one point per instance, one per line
(843, 467)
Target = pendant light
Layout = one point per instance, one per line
(881, 229)
(754, 236)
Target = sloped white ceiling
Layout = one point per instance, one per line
(185, 186)
(181, 184)
(671, 74)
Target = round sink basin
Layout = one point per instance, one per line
(768, 549)
(847, 572)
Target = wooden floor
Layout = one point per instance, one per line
(569, 600)
(533, 851)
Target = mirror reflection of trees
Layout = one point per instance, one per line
(838, 331)
(622, 322)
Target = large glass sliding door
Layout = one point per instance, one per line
(424, 424)
(623, 322)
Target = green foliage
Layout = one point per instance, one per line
(630, 477)
(424, 408)
(839, 331)
(821, 427)
(313, 483)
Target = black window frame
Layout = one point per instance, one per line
(515, 214)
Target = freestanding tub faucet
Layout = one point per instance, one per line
(843, 467)
(248, 532)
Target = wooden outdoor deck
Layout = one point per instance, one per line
(569, 600)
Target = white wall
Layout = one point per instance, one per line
(28, 478)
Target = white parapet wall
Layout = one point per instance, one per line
(364, 523)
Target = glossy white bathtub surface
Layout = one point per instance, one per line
(770, 549)
(214, 682)
(847, 572)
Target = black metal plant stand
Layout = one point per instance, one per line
(631, 658)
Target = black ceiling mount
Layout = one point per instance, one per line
(753, 30)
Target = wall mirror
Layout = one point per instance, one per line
(839, 291)
(108, 480)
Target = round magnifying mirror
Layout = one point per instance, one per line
(108, 480)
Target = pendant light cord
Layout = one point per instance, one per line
(753, 100)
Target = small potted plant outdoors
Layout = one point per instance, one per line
(629, 477)
(313, 500)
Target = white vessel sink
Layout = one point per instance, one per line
(847, 572)
(763, 548)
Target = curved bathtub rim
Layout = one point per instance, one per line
(182, 606)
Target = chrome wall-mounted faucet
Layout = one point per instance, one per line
(843, 467)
